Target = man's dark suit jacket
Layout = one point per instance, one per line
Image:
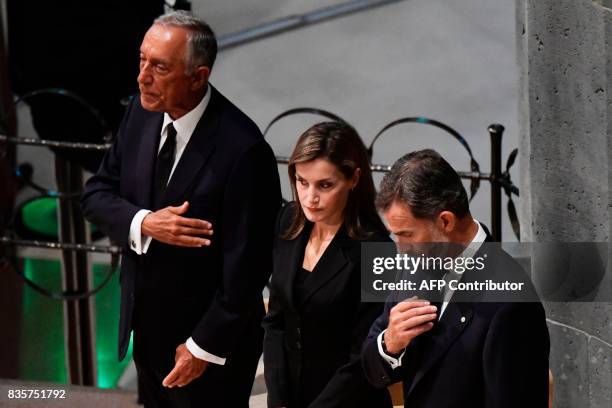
(228, 174)
(480, 353)
(312, 346)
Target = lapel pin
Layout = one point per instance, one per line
(462, 319)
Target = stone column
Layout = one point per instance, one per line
(564, 57)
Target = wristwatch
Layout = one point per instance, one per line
(384, 347)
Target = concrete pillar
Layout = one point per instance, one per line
(564, 50)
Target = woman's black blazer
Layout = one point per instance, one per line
(312, 349)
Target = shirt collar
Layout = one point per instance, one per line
(186, 124)
(474, 245)
(476, 242)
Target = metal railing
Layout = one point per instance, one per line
(499, 180)
(74, 233)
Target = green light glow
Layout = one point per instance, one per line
(42, 352)
(40, 215)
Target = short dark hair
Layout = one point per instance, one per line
(339, 143)
(426, 183)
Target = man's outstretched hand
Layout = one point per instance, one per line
(186, 369)
(170, 227)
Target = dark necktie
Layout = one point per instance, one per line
(163, 165)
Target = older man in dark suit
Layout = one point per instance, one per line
(464, 349)
(191, 189)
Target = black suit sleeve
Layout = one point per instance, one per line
(250, 204)
(275, 360)
(377, 370)
(515, 357)
(101, 202)
(349, 379)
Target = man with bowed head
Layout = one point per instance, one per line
(466, 350)
(191, 189)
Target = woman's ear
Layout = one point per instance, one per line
(355, 178)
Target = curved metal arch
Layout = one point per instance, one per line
(50, 143)
(474, 166)
(295, 111)
(64, 295)
(69, 94)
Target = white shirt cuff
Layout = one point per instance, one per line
(139, 243)
(393, 362)
(201, 354)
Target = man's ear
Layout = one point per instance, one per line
(200, 77)
(447, 221)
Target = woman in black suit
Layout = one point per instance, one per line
(316, 322)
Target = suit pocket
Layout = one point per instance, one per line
(201, 201)
(202, 210)
(204, 194)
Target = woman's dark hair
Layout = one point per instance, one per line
(340, 144)
(426, 183)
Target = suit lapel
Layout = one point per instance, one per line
(434, 344)
(294, 259)
(149, 142)
(457, 315)
(201, 145)
(331, 263)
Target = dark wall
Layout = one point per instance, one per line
(89, 48)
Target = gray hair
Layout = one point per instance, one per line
(201, 41)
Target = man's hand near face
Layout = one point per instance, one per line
(186, 369)
(170, 227)
(406, 321)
